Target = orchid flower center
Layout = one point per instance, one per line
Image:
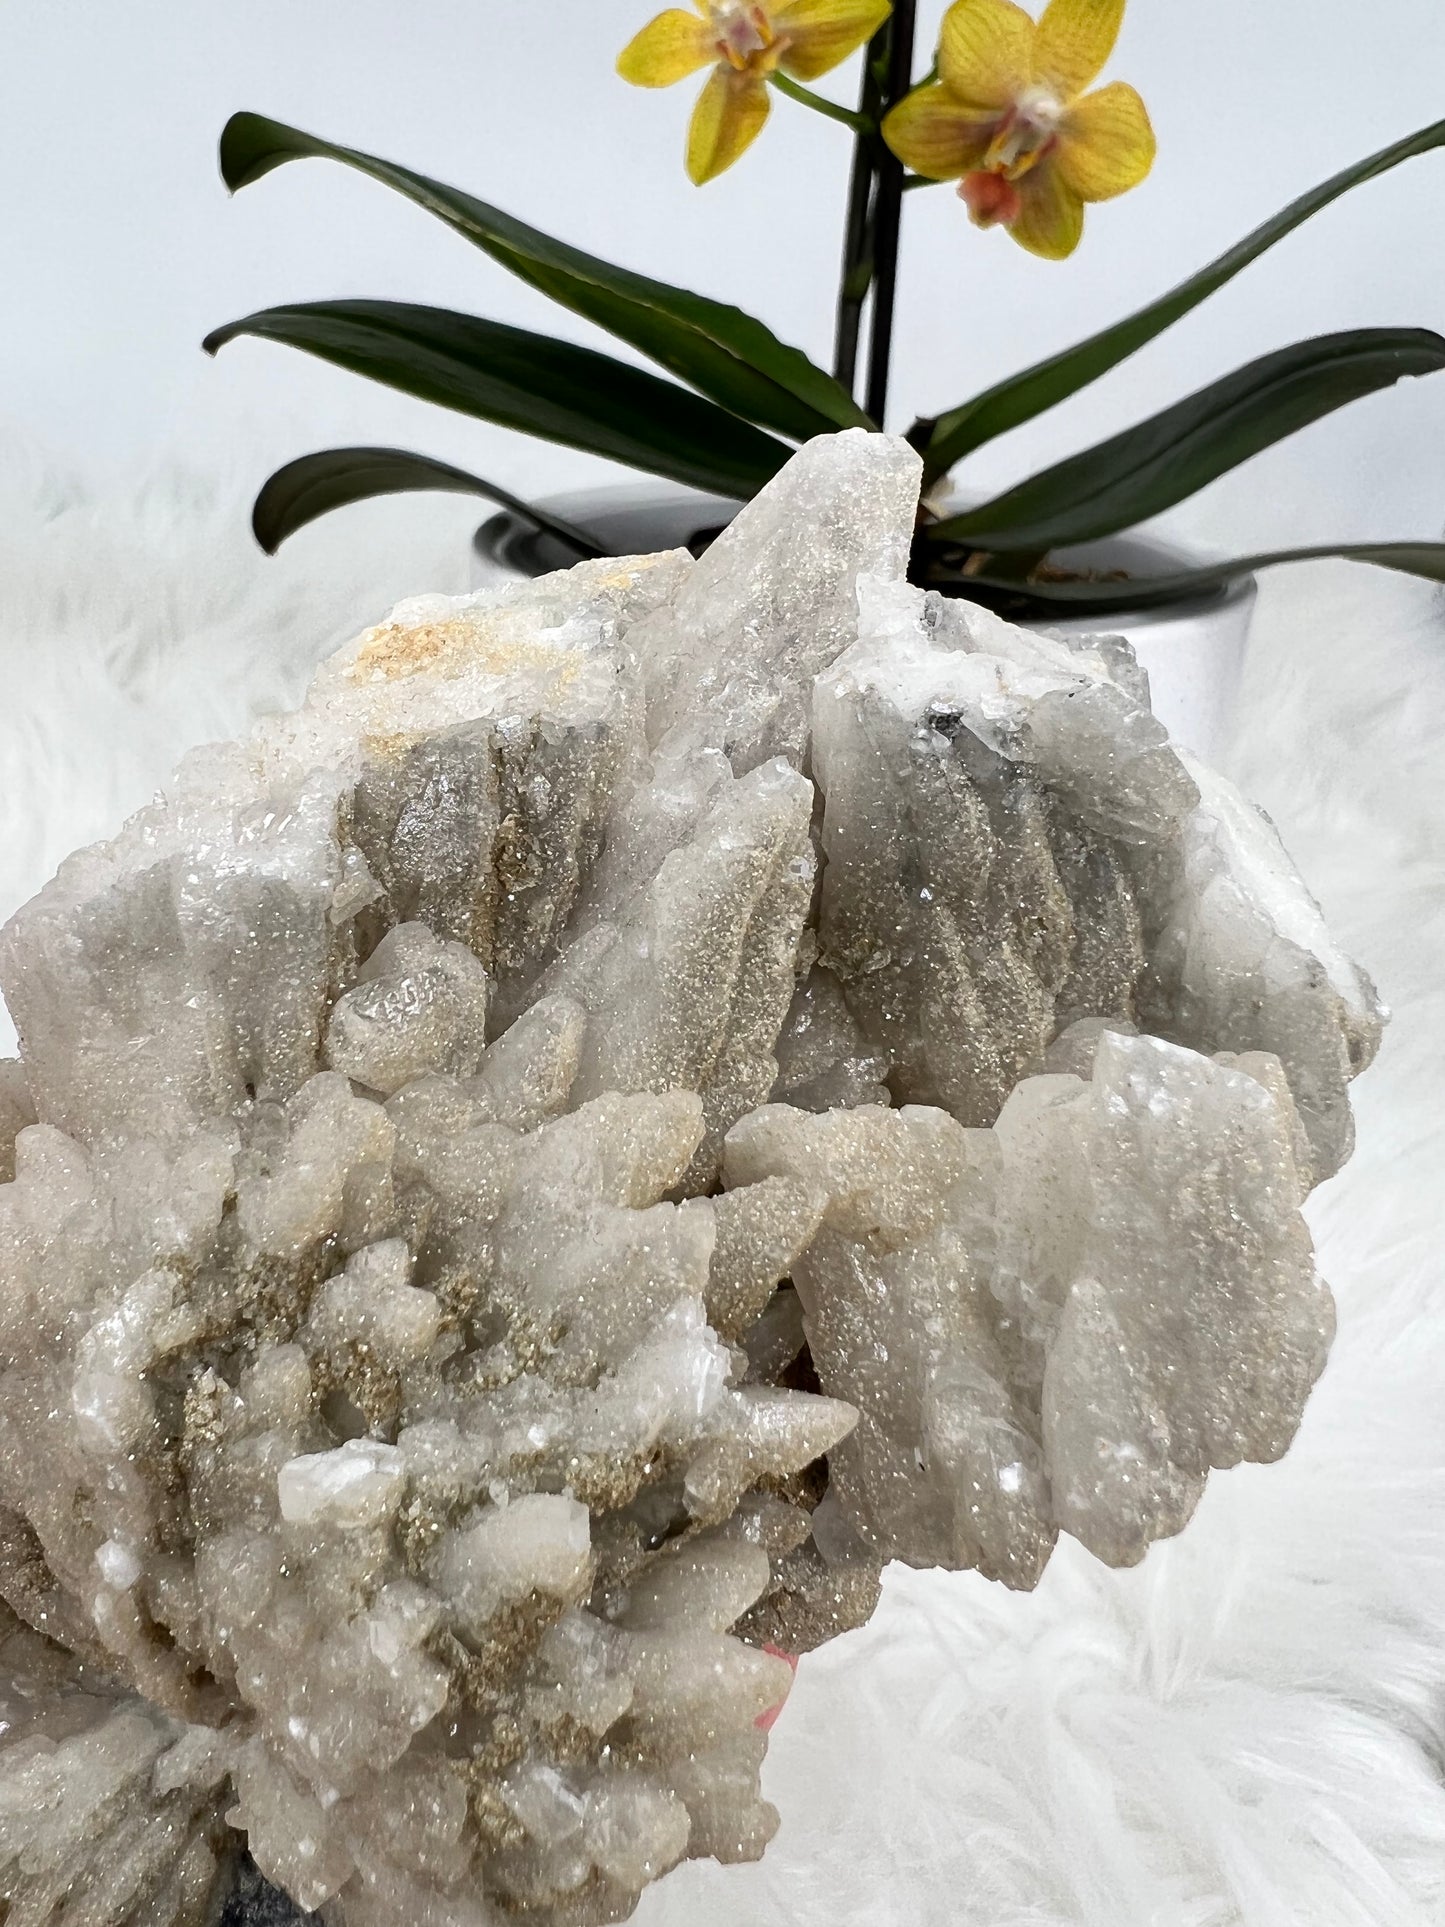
(1027, 132)
(746, 38)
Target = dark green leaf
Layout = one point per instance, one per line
(333, 478)
(1102, 598)
(1161, 461)
(715, 348)
(544, 387)
(1023, 396)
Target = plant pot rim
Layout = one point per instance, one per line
(506, 540)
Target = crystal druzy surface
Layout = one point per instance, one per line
(655, 1092)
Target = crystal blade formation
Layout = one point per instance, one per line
(655, 1092)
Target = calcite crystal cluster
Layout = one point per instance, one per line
(655, 1092)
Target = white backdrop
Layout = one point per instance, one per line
(120, 249)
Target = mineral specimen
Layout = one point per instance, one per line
(657, 1091)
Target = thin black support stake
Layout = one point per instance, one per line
(887, 216)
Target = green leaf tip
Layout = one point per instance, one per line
(1036, 599)
(1171, 456)
(332, 478)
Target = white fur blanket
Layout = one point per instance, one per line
(1250, 1727)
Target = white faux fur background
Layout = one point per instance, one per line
(1248, 1730)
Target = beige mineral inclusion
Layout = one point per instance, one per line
(655, 1092)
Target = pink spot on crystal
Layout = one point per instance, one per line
(766, 1720)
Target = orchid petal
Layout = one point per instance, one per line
(1051, 220)
(1106, 144)
(667, 49)
(1075, 38)
(935, 134)
(821, 33)
(985, 52)
(728, 118)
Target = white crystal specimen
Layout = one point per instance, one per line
(654, 1092)
(731, 658)
(418, 1005)
(538, 1543)
(1012, 844)
(1078, 1312)
(357, 1484)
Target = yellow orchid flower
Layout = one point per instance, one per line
(1009, 119)
(744, 41)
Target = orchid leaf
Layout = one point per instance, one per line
(334, 478)
(1036, 389)
(521, 380)
(1102, 598)
(1161, 461)
(715, 348)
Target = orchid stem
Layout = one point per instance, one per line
(856, 275)
(887, 216)
(859, 122)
